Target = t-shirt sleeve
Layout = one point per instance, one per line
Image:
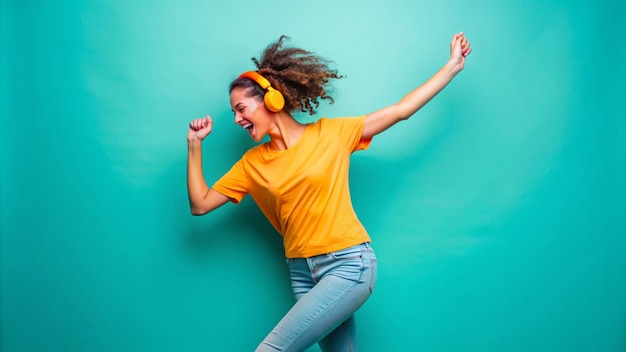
(234, 184)
(350, 129)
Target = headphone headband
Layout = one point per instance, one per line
(273, 99)
(255, 76)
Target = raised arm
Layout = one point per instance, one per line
(202, 199)
(380, 120)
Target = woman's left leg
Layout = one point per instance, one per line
(343, 338)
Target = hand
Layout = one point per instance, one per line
(459, 49)
(199, 128)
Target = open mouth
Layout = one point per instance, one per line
(248, 127)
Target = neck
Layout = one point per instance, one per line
(285, 132)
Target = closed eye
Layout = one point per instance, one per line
(240, 110)
(240, 107)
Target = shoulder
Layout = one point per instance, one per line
(255, 150)
(253, 154)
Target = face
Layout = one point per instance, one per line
(250, 113)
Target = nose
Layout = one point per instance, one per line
(238, 118)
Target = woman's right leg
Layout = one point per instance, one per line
(325, 308)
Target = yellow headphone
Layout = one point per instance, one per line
(273, 99)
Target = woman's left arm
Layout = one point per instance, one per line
(380, 120)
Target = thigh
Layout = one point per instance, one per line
(315, 314)
(302, 280)
(339, 284)
(343, 338)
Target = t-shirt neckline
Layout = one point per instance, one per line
(270, 150)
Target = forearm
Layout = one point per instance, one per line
(421, 95)
(384, 118)
(196, 185)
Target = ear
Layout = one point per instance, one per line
(273, 100)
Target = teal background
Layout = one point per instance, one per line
(497, 211)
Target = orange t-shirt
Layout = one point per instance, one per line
(303, 191)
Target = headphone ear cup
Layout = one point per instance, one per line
(274, 100)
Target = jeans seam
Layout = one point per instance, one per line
(347, 337)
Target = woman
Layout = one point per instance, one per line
(299, 179)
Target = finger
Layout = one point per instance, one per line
(208, 121)
(467, 52)
(454, 39)
(196, 124)
(454, 43)
(458, 45)
(460, 39)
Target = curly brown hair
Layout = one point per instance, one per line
(300, 75)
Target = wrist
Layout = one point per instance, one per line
(453, 67)
(194, 142)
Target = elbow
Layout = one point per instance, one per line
(405, 113)
(197, 211)
(402, 112)
(404, 117)
(200, 205)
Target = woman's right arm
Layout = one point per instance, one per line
(202, 199)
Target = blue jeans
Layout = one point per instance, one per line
(328, 288)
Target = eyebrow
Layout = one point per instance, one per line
(236, 106)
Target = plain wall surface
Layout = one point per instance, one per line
(497, 211)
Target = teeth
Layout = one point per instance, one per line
(247, 126)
